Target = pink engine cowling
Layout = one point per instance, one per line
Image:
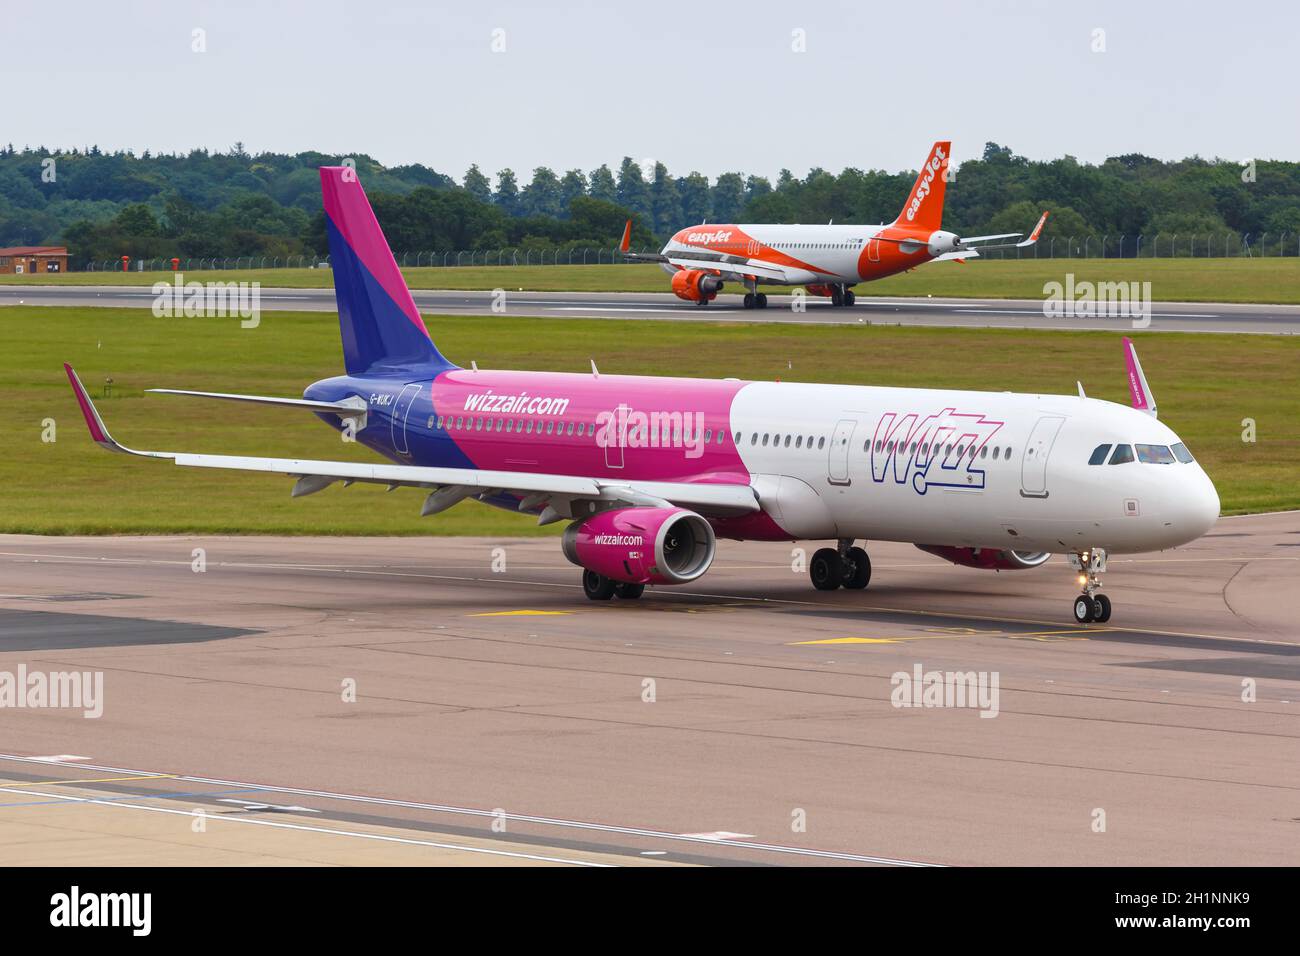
(988, 559)
(642, 545)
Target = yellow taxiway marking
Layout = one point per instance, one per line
(522, 613)
(139, 776)
(852, 640)
(1080, 634)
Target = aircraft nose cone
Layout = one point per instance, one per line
(1202, 505)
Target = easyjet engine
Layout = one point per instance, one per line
(988, 559)
(642, 545)
(695, 285)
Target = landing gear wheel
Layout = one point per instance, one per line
(857, 569)
(826, 569)
(760, 300)
(1085, 609)
(628, 592)
(597, 586)
(749, 300)
(849, 297)
(837, 295)
(701, 302)
(1101, 611)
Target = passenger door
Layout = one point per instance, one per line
(400, 412)
(1033, 466)
(838, 463)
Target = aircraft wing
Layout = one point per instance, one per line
(555, 494)
(625, 244)
(1023, 244)
(732, 269)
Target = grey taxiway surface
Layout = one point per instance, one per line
(398, 701)
(984, 313)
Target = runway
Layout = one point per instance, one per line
(976, 313)
(334, 701)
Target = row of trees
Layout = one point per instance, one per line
(228, 204)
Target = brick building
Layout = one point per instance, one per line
(27, 260)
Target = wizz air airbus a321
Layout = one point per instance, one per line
(650, 471)
(827, 260)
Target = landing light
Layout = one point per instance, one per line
(1083, 579)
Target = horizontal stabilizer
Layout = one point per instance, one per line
(347, 408)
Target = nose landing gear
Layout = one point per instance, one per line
(1090, 607)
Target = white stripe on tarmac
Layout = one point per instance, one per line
(309, 829)
(470, 811)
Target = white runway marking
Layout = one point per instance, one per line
(470, 811)
(61, 758)
(309, 829)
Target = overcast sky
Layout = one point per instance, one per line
(700, 85)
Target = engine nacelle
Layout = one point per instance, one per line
(695, 284)
(942, 242)
(988, 559)
(642, 545)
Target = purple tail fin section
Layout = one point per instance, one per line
(381, 327)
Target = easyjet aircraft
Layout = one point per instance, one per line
(826, 260)
(650, 471)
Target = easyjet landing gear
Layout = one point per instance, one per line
(755, 300)
(842, 295)
(846, 566)
(1090, 607)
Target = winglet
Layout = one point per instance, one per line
(1143, 400)
(626, 242)
(1033, 236)
(98, 432)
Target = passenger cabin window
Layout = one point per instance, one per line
(1154, 454)
(1099, 455)
(1182, 454)
(1122, 456)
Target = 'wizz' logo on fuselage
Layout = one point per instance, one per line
(937, 450)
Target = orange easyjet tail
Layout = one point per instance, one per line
(924, 206)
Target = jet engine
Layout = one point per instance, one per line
(642, 545)
(695, 285)
(988, 559)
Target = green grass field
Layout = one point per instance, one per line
(1172, 280)
(1206, 385)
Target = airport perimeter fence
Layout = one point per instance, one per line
(1228, 245)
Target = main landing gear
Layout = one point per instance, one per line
(1090, 607)
(842, 295)
(600, 588)
(755, 300)
(846, 566)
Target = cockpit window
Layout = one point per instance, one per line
(1099, 455)
(1155, 454)
(1182, 454)
(1123, 455)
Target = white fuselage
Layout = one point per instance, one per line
(965, 468)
